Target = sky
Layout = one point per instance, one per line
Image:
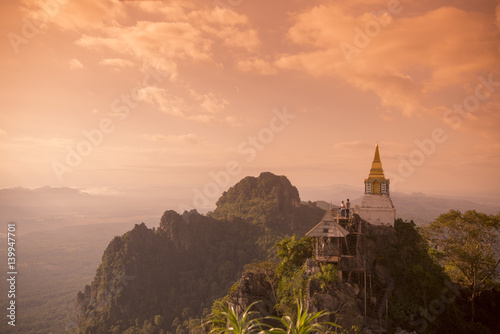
(191, 96)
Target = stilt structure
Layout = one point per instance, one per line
(338, 236)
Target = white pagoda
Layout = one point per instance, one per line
(376, 206)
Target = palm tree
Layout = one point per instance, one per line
(229, 321)
(305, 323)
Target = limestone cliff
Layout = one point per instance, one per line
(162, 277)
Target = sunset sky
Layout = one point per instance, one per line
(116, 96)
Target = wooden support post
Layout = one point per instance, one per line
(387, 308)
(364, 272)
(317, 247)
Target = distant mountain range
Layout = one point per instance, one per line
(54, 206)
(419, 207)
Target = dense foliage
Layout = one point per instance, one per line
(303, 322)
(229, 321)
(290, 272)
(423, 298)
(173, 272)
(464, 244)
(288, 281)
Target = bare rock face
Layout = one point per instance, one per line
(254, 287)
(342, 301)
(374, 240)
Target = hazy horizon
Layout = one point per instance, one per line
(119, 95)
(108, 204)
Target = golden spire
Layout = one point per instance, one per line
(376, 172)
(376, 158)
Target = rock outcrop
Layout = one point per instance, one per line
(255, 287)
(344, 300)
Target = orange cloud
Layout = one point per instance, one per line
(407, 61)
(158, 44)
(185, 34)
(498, 16)
(256, 65)
(195, 106)
(228, 26)
(169, 36)
(76, 15)
(212, 104)
(163, 100)
(116, 62)
(190, 138)
(75, 64)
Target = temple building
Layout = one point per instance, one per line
(376, 206)
(336, 235)
(351, 241)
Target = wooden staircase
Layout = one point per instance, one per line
(378, 310)
(352, 242)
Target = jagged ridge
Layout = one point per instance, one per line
(170, 274)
